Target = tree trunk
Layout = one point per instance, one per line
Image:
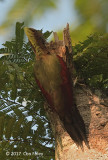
(93, 108)
(94, 111)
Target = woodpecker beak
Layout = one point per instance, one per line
(30, 32)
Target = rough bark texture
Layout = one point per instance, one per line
(95, 114)
(93, 108)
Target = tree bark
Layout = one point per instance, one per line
(93, 108)
(94, 111)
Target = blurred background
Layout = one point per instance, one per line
(84, 16)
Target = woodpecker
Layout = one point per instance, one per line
(53, 78)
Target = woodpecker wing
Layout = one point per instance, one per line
(53, 78)
(72, 119)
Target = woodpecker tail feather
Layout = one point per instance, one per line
(75, 127)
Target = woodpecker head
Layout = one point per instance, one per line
(36, 40)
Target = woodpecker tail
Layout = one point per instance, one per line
(75, 127)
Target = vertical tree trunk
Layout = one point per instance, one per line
(95, 114)
(93, 108)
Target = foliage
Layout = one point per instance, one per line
(94, 11)
(23, 127)
(91, 61)
(91, 17)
